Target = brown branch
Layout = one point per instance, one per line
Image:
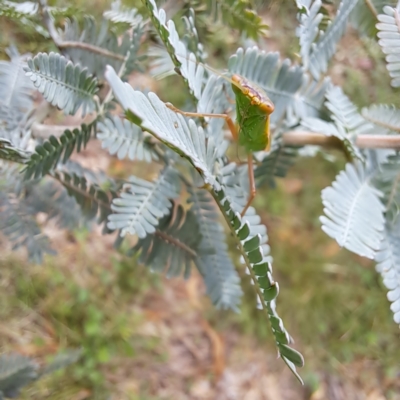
(302, 138)
(163, 235)
(72, 44)
(82, 192)
(294, 138)
(175, 242)
(371, 8)
(89, 47)
(395, 128)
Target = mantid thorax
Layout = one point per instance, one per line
(253, 110)
(256, 95)
(241, 85)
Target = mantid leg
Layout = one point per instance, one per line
(227, 118)
(251, 183)
(234, 133)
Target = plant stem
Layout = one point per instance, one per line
(293, 138)
(72, 44)
(302, 138)
(243, 253)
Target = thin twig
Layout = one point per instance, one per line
(371, 8)
(242, 251)
(84, 193)
(72, 44)
(89, 47)
(163, 235)
(175, 242)
(302, 138)
(293, 138)
(393, 192)
(395, 128)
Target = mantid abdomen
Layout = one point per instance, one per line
(253, 110)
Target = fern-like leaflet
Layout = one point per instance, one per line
(185, 138)
(388, 265)
(213, 261)
(20, 226)
(275, 164)
(125, 139)
(173, 245)
(16, 88)
(62, 83)
(354, 211)
(251, 237)
(389, 35)
(52, 199)
(124, 15)
(141, 203)
(316, 56)
(11, 153)
(100, 45)
(347, 121)
(384, 116)
(238, 14)
(93, 200)
(16, 370)
(365, 15)
(49, 154)
(184, 61)
(289, 88)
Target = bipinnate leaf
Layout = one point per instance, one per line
(62, 83)
(389, 40)
(213, 260)
(172, 247)
(125, 139)
(16, 371)
(142, 203)
(171, 128)
(354, 211)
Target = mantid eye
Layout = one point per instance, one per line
(267, 106)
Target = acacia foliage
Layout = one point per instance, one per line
(177, 214)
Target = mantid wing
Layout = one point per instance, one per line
(253, 123)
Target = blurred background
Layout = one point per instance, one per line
(145, 337)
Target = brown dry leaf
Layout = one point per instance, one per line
(93, 157)
(82, 395)
(153, 315)
(292, 185)
(365, 63)
(271, 388)
(319, 394)
(201, 389)
(375, 395)
(331, 249)
(33, 350)
(142, 82)
(284, 233)
(118, 167)
(218, 349)
(193, 291)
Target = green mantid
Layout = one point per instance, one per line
(252, 128)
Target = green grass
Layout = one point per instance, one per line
(331, 301)
(87, 304)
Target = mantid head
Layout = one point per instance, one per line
(242, 85)
(257, 96)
